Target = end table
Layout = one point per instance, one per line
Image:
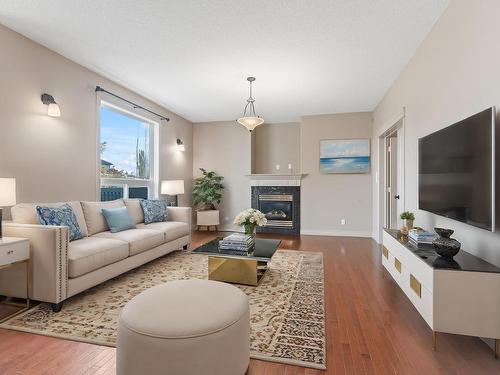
(14, 251)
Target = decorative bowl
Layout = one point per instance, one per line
(443, 232)
(444, 245)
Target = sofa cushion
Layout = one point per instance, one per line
(25, 213)
(118, 219)
(155, 210)
(94, 217)
(91, 253)
(139, 240)
(172, 229)
(135, 210)
(60, 216)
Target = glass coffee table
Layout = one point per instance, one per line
(246, 269)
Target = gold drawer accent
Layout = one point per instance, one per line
(385, 252)
(416, 286)
(397, 264)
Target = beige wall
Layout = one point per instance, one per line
(277, 144)
(454, 74)
(54, 159)
(225, 147)
(326, 199)
(329, 198)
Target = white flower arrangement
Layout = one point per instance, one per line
(250, 217)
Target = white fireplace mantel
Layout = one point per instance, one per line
(276, 179)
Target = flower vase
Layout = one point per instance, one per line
(250, 230)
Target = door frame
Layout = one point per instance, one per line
(396, 124)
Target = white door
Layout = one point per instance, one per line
(392, 180)
(400, 160)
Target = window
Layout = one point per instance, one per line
(128, 149)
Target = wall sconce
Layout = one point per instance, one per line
(53, 108)
(180, 145)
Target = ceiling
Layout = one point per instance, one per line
(193, 57)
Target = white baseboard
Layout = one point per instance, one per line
(309, 232)
(337, 233)
(230, 228)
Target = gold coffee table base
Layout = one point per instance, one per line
(236, 270)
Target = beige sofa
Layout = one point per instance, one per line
(60, 269)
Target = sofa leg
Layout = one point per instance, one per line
(185, 247)
(56, 307)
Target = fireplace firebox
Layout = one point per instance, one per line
(281, 205)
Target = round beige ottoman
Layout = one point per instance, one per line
(185, 327)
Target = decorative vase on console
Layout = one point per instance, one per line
(445, 246)
(408, 219)
(250, 219)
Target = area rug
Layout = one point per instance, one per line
(286, 309)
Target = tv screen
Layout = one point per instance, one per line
(456, 171)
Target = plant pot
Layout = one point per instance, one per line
(407, 226)
(445, 246)
(207, 218)
(206, 207)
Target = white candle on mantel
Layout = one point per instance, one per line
(277, 167)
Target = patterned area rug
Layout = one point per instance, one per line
(286, 309)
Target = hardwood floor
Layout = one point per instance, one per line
(372, 328)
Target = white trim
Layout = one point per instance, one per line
(336, 233)
(390, 124)
(387, 129)
(493, 169)
(230, 228)
(309, 232)
(276, 179)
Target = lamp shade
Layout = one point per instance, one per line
(53, 110)
(172, 187)
(250, 122)
(7, 192)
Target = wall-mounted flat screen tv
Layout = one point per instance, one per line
(456, 171)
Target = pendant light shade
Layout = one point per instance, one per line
(249, 119)
(250, 122)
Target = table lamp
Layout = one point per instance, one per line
(172, 187)
(7, 195)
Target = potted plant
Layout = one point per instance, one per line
(408, 218)
(207, 194)
(250, 219)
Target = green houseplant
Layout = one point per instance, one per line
(408, 218)
(207, 190)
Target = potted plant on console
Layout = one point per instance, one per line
(207, 195)
(408, 218)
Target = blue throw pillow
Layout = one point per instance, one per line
(62, 216)
(154, 210)
(118, 219)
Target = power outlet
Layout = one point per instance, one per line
(342, 222)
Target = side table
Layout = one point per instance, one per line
(14, 251)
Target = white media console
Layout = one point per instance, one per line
(460, 296)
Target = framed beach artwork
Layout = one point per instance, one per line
(344, 156)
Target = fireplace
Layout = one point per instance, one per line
(281, 205)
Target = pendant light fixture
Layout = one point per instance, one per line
(250, 120)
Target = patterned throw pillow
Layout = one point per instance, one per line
(62, 216)
(154, 210)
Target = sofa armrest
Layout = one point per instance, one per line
(49, 263)
(183, 214)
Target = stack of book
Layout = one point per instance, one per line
(237, 243)
(419, 236)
